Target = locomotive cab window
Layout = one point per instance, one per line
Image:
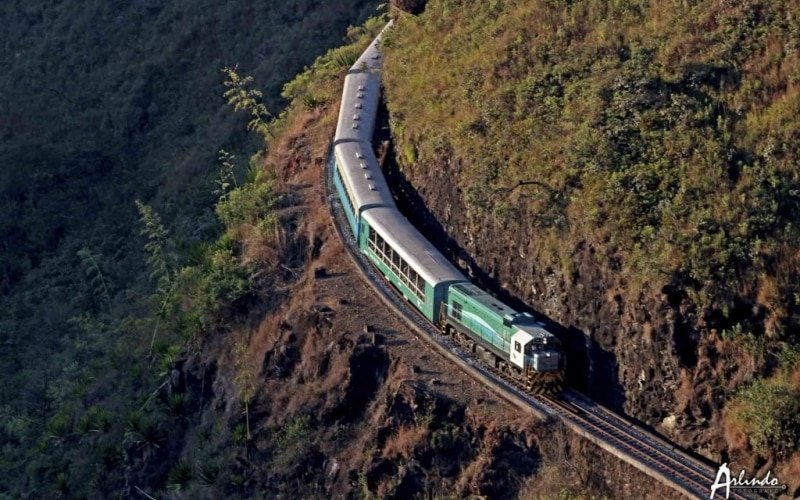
(517, 346)
(457, 308)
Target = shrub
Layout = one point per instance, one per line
(768, 412)
(294, 431)
(246, 204)
(95, 419)
(447, 439)
(180, 475)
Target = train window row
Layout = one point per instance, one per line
(353, 204)
(399, 267)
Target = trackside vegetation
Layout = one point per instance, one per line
(665, 136)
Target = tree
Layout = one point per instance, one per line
(160, 260)
(242, 96)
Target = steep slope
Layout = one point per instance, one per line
(265, 385)
(288, 397)
(103, 103)
(629, 169)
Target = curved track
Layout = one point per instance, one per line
(615, 434)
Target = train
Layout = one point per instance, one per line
(508, 340)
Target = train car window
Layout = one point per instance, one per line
(398, 266)
(457, 308)
(517, 346)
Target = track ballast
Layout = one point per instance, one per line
(615, 434)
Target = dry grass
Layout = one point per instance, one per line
(404, 441)
(734, 431)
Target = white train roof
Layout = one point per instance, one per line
(359, 108)
(362, 176)
(371, 59)
(418, 252)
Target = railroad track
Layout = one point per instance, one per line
(610, 431)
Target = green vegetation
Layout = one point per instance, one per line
(768, 410)
(661, 136)
(105, 105)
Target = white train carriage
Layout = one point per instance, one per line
(371, 59)
(359, 108)
(408, 260)
(359, 181)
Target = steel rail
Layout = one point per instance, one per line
(619, 436)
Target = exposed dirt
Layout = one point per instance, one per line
(342, 410)
(338, 414)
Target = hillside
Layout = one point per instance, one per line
(101, 104)
(183, 322)
(630, 170)
(239, 370)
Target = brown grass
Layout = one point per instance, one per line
(404, 441)
(734, 431)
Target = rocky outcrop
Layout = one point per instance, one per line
(636, 353)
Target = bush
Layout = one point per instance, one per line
(180, 475)
(768, 412)
(95, 419)
(447, 439)
(246, 204)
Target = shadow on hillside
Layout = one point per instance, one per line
(591, 369)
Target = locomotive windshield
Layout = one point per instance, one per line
(541, 344)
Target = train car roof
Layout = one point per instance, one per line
(417, 251)
(362, 175)
(371, 59)
(359, 108)
(535, 331)
(521, 320)
(479, 296)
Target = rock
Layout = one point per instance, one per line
(669, 423)
(333, 468)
